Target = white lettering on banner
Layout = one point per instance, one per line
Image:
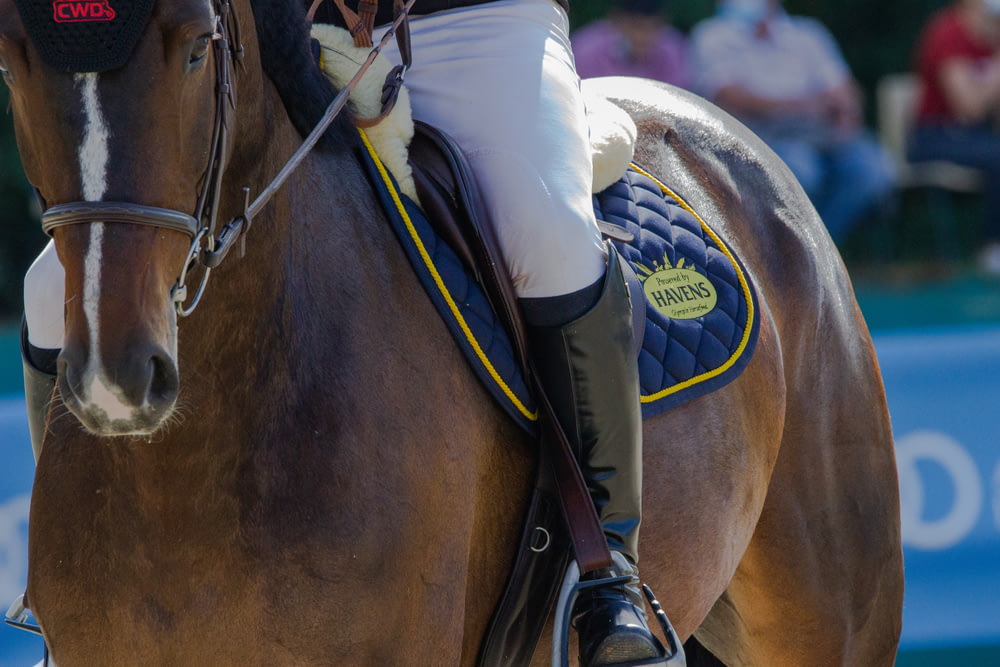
(967, 487)
(13, 547)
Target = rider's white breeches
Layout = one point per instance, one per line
(500, 79)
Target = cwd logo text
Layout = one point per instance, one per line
(75, 11)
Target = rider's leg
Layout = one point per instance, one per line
(41, 339)
(517, 111)
(587, 365)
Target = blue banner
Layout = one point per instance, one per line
(944, 396)
(17, 647)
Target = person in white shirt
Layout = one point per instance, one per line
(785, 77)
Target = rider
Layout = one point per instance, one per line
(515, 106)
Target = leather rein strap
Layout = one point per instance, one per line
(361, 25)
(236, 228)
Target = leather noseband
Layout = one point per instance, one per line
(137, 214)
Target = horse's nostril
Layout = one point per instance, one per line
(69, 369)
(163, 380)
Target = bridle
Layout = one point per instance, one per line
(210, 247)
(200, 226)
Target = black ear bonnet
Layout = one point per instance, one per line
(85, 35)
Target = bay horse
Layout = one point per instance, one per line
(306, 472)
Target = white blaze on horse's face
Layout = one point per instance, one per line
(93, 152)
(99, 395)
(93, 156)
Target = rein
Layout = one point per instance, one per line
(201, 226)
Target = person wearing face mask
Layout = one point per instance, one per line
(958, 65)
(785, 77)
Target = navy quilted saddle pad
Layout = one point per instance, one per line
(701, 309)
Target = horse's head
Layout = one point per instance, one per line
(114, 108)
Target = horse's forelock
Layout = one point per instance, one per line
(286, 55)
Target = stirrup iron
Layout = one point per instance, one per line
(571, 589)
(18, 616)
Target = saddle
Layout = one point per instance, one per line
(447, 192)
(697, 314)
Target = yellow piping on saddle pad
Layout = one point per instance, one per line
(442, 288)
(744, 286)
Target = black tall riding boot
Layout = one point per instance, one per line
(587, 366)
(39, 383)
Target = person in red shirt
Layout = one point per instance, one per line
(958, 66)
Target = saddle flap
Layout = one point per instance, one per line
(439, 193)
(449, 195)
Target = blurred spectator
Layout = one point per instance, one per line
(634, 40)
(786, 79)
(958, 66)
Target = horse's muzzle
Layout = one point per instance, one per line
(133, 396)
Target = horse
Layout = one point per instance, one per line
(305, 471)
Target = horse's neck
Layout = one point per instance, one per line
(278, 314)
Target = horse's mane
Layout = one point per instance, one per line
(286, 55)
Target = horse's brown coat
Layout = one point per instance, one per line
(335, 487)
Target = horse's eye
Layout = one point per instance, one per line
(200, 50)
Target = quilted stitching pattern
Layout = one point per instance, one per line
(673, 350)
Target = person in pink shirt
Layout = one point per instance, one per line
(634, 40)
